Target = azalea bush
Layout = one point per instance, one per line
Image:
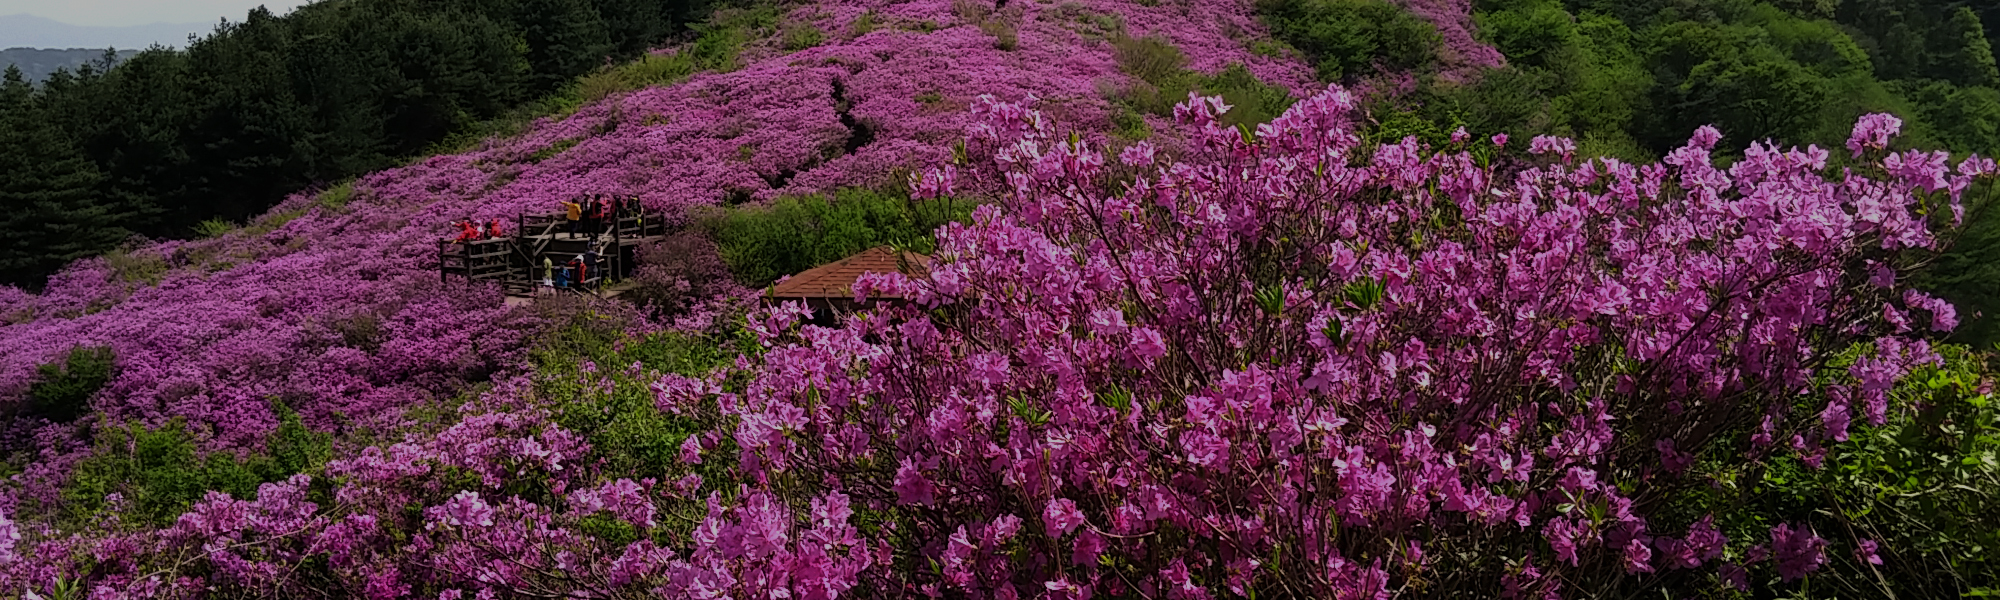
(1914, 495)
(1285, 364)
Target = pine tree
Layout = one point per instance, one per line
(50, 205)
(565, 39)
(249, 143)
(633, 26)
(1968, 56)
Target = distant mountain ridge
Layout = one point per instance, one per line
(29, 31)
(38, 63)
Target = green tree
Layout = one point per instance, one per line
(1967, 56)
(141, 108)
(1350, 38)
(565, 38)
(248, 143)
(50, 207)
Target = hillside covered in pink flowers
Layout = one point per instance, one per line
(331, 304)
(1203, 325)
(213, 327)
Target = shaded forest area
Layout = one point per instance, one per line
(272, 105)
(1632, 78)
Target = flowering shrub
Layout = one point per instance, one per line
(1909, 497)
(1288, 364)
(677, 272)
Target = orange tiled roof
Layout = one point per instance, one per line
(836, 279)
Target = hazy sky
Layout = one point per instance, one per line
(118, 13)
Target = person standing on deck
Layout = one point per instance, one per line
(548, 272)
(493, 228)
(593, 214)
(466, 233)
(590, 260)
(575, 213)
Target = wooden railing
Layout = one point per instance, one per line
(513, 261)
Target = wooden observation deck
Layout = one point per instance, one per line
(515, 261)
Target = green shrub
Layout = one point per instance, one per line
(601, 84)
(1164, 81)
(792, 234)
(1529, 33)
(295, 448)
(1926, 485)
(62, 391)
(1151, 59)
(213, 228)
(972, 12)
(361, 331)
(1252, 101)
(1349, 38)
(1127, 124)
(553, 150)
(862, 25)
(622, 421)
(1005, 36)
(159, 473)
(135, 265)
(337, 197)
(800, 36)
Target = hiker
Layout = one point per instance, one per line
(593, 215)
(562, 278)
(575, 213)
(606, 221)
(548, 273)
(579, 273)
(493, 228)
(590, 259)
(466, 233)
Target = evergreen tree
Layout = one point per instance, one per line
(249, 143)
(1967, 56)
(140, 110)
(49, 206)
(565, 38)
(633, 26)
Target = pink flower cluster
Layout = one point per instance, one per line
(1266, 350)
